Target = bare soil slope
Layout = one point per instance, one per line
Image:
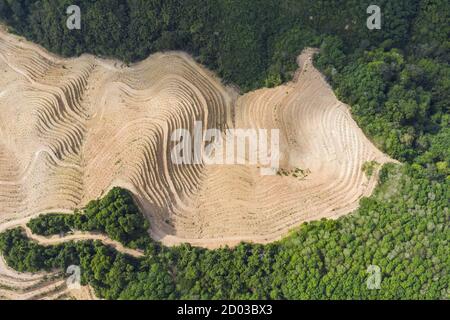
(70, 129)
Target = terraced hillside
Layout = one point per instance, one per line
(70, 129)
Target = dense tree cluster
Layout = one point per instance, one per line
(116, 215)
(396, 81)
(246, 42)
(400, 101)
(50, 224)
(107, 270)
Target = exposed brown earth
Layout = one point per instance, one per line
(70, 129)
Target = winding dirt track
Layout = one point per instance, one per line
(80, 236)
(70, 129)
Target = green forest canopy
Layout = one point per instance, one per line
(396, 81)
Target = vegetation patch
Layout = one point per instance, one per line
(116, 215)
(369, 167)
(296, 173)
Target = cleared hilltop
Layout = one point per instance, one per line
(70, 129)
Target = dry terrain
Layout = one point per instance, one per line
(70, 129)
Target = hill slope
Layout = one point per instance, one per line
(71, 129)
